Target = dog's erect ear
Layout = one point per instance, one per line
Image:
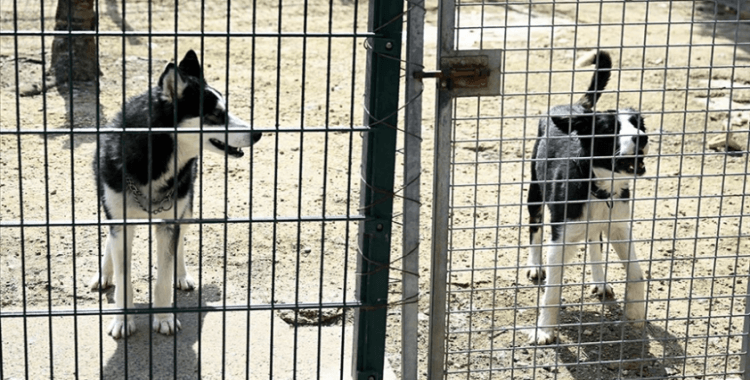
(584, 125)
(562, 123)
(172, 83)
(640, 123)
(190, 65)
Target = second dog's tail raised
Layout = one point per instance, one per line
(601, 76)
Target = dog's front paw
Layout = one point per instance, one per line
(603, 291)
(541, 336)
(185, 283)
(121, 326)
(636, 313)
(166, 324)
(535, 274)
(101, 281)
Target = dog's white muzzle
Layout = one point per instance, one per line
(227, 140)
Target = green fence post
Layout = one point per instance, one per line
(378, 168)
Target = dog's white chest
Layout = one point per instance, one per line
(607, 210)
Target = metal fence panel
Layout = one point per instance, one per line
(684, 67)
(272, 241)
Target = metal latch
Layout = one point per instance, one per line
(472, 76)
(468, 72)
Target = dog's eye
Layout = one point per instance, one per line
(215, 118)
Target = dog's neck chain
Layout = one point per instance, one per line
(602, 194)
(165, 203)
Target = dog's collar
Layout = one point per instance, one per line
(602, 194)
(164, 204)
(607, 186)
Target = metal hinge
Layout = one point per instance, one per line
(469, 73)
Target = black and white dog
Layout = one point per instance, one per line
(584, 161)
(153, 174)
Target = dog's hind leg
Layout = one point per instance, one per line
(557, 255)
(600, 288)
(120, 246)
(103, 278)
(183, 281)
(635, 307)
(549, 303)
(168, 241)
(534, 271)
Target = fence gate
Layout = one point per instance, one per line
(685, 67)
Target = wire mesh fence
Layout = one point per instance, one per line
(684, 67)
(272, 241)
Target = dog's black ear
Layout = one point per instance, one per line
(583, 124)
(171, 83)
(640, 123)
(562, 123)
(190, 65)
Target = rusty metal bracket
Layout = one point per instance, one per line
(469, 73)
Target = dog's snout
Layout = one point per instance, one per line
(641, 168)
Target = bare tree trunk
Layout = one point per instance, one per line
(74, 57)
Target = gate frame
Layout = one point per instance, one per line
(413, 90)
(745, 358)
(440, 197)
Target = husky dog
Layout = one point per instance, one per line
(583, 163)
(152, 174)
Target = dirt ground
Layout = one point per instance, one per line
(690, 210)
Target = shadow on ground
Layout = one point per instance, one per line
(82, 110)
(149, 355)
(598, 345)
(113, 11)
(731, 24)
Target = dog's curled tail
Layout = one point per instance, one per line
(601, 76)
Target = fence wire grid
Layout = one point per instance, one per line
(684, 67)
(272, 242)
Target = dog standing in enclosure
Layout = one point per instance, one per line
(584, 161)
(152, 175)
